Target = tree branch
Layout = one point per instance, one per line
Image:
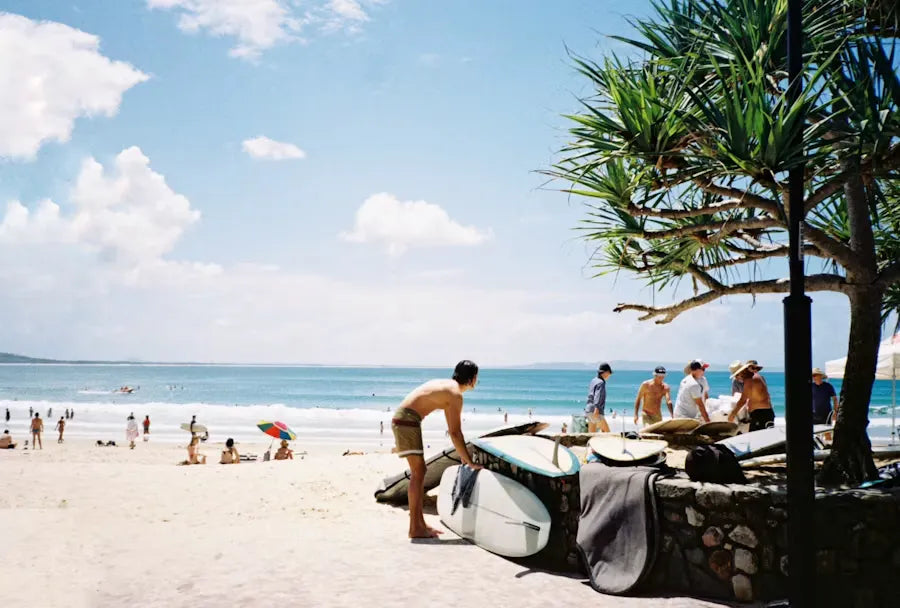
(750, 200)
(824, 192)
(753, 255)
(832, 248)
(816, 282)
(721, 228)
(677, 214)
(890, 275)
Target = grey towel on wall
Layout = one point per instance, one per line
(463, 486)
(617, 531)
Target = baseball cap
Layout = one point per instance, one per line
(604, 367)
(659, 370)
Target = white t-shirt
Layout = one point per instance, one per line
(685, 406)
(704, 383)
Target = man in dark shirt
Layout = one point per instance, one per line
(595, 408)
(823, 396)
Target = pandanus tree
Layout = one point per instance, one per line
(682, 151)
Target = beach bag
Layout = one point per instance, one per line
(715, 464)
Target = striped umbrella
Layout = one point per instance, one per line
(278, 430)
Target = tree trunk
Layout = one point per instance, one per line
(850, 461)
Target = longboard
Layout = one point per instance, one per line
(502, 516)
(673, 425)
(756, 443)
(716, 428)
(393, 489)
(621, 449)
(535, 454)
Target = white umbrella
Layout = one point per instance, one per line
(888, 368)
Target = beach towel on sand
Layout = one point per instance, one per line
(618, 528)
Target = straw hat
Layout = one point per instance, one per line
(751, 364)
(733, 367)
(687, 368)
(818, 372)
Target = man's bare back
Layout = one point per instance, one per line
(757, 393)
(437, 394)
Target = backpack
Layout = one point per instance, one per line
(713, 463)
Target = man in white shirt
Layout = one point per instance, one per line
(690, 402)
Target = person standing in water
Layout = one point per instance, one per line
(651, 394)
(61, 427)
(439, 394)
(146, 424)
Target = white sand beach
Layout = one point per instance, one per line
(90, 526)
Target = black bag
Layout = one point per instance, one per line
(713, 463)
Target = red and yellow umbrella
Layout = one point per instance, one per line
(276, 429)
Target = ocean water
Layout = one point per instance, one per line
(344, 405)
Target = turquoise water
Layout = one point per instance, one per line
(322, 399)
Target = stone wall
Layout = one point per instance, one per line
(730, 541)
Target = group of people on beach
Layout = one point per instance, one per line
(753, 403)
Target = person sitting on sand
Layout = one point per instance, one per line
(6, 442)
(651, 394)
(194, 457)
(440, 394)
(755, 396)
(230, 454)
(61, 427)
(283, 452)
(37, 427)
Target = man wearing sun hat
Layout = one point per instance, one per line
(736, 385)
(755, 395)
(823, 396)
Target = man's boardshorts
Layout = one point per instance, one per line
(407, 427)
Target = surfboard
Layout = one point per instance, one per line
(503, 516)
(716, 428)
(531, 453)
(621, 449)
(756, 443)
(818, 456)
(674, 425)
(198, 428)
(393, 489)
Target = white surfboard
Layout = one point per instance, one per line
(626, 450)
(674, 425)
(198, 428)
(531, 453)
(503, 516)
(756, 443)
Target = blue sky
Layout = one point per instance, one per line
(407, 223)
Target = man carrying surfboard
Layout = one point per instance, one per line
(755, 396)
(651, 393)
(439, 394)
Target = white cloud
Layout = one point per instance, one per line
(50, 75)
(400, 225)
(127, 214)
(261, 24)
(264, 148)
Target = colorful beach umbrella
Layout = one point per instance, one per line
(278, 430)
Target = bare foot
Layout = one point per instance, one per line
(425, 532)
(434, 531)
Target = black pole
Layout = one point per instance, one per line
(798, 364)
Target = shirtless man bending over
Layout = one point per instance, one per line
(434, 395)
(651, 393)
(755, 396)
